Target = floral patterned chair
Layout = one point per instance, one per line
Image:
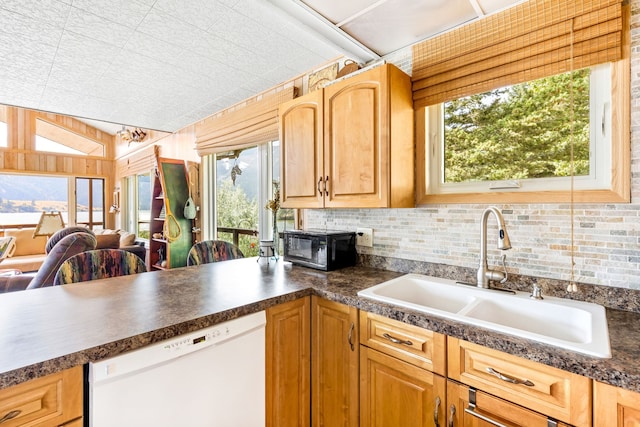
(98, 264)
(213, 251)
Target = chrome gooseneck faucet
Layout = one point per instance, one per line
(484, 273)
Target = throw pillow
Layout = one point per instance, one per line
(107, 241)
(126, 238)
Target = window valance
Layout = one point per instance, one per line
(535, 39)
(243, 126)
(142, 161)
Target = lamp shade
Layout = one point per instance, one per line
(49, 223)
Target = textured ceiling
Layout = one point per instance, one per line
(157, 64)
(164, 64)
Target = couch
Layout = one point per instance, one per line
(29, 253)
(120, 239)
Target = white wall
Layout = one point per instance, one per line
(607, 236)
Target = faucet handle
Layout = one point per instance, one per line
(504, 267)
(536, 293)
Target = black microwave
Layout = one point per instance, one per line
(320, 249)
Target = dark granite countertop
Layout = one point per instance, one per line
(47, 330)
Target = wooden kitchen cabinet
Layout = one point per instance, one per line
(335, 381)
(398, 386)
(615, 407)
(350, 145)
(53, 400)
(467, 407)
(288, 368)
(397, 393)
(555, 393)
(415, 345)
(302, 151)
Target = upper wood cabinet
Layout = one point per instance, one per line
(350, 145)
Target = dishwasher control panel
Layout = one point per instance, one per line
(162, 351)
(209, 336)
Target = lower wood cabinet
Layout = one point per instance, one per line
(558, 394)
(334, 365)
(470, 408)
(397, 393)
(615, 407)
(53, 400)
(288, 375)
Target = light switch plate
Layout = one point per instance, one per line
(364, 237)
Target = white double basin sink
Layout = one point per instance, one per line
(572, 325)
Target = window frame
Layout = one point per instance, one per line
(618, 190)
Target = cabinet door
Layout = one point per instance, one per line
(482, 409)
(334, 396)
(614, 406)
(302, 173)
(288, 369)
(48, 401)
(355, 140)
(396, 393)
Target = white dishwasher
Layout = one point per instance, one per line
(214, 377)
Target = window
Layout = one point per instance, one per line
(90, 202)
(56, 139)
(518, 138)
(138, 195)
(243, 185)
(25, 197)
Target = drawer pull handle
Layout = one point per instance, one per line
(396, 340)
(509, 378)
(350, 337)
(452, 413)
(436, 421)
(470, 411)
(10, 415)
(318, 187)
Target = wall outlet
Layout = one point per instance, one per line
(364, 237)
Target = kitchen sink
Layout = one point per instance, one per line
(573, 325)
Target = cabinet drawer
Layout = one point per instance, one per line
(559, 394)
(48, 401)
(467, 408)
(412, 344)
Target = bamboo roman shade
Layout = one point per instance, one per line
(141, 162)
(529, 41)
(244, 126)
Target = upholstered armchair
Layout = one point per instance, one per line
(98, 264)
(62, 245)
(212, 251)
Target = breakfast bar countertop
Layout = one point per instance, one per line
(46, 330)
